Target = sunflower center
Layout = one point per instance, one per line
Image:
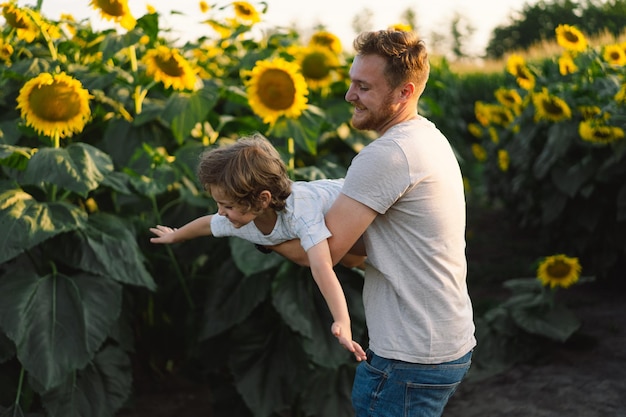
(314, 66)
(55, 102)
(16, 19)
(559, 270)
(571, 37)
(276, 89)
(551, 106)
(111, 7)
(170, 65)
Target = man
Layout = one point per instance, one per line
(403, 193)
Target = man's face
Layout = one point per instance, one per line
(371, 95)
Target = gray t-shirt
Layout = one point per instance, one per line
(416, 301)
(302, 218)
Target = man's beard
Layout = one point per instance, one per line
(374, 121)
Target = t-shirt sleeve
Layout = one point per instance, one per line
(378, 181)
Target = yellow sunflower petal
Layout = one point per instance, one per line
(276, 88)
(570, 38)
(559, 271)
(167, 66)
(116, 11)
(54, 104)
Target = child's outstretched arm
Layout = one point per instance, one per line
(328, 283)
(195, 228)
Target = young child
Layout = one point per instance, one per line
(258, 202)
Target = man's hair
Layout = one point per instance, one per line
(405, 53)
(245, 168)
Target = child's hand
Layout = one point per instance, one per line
(165, 234)
(345, 339)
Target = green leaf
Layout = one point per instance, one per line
(25, 222)
(157, 181)
(293, 298)
(557, 145)
(16, 157)
(249, 260)
(79, 167)
(105, 246)
(99, 390)
(302, 307)
(329, 392)
(233, 298)
(184, 111)
(570, 178)
(57, 322)
(557, 323)
(268, 365)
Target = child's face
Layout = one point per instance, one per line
(237, 214)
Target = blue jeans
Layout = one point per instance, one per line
(392, 388)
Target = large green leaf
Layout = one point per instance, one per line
(268, 364)
(557, 323)
(184, 111)
(79, 167)
(329, 392)
(105, 246)
(251, 261)
(302, 306)
(99, 390)
(232, 298)
(16, 157)
(57, 322)
(570, 178)
(25, 222)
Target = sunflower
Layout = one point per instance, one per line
(516, 66)
(317, 64)
(589, 112)
(115, 10)
(493, 134)
(246, 12)
(6, 50)
(18, 19)
(620, 96)
(276, 88)
(479, 152)
(401, 27)
(566, 64)
(614, 55)
(54, 105)
(475, 130)
(327, 40)
(596, 131)
(570, 38)
(503, 160)
(169, 67)
(223, 30)
(550, 107)
(559, 270)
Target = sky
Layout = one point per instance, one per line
(335, 15)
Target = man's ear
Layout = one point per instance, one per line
(407, 91)
(265, 197)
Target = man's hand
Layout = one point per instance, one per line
(345, 340)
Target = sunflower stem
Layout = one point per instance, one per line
(170, 253)
(291, 149)
(19, 387)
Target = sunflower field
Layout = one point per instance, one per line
(553, 148)
(100, 131)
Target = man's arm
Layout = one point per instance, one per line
(347, 219)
